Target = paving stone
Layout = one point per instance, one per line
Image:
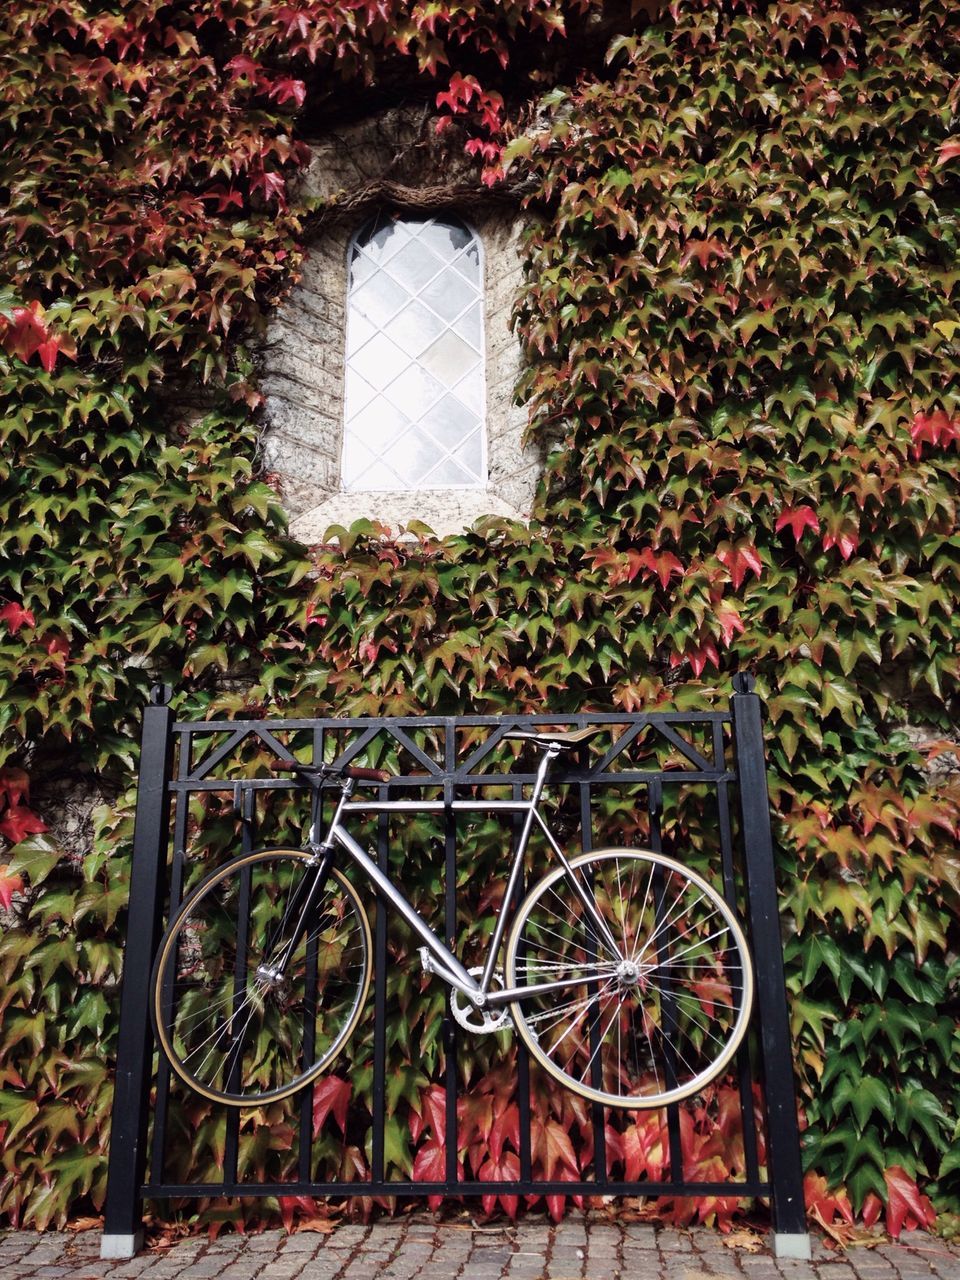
(406, 1249)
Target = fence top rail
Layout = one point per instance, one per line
(439, 722)
(411, 780)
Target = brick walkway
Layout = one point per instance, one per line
(413, 1246)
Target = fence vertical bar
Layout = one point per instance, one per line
(450, 1038)
(123, 1225)
(600, 1167)
(379, 1118)
(783, 1136)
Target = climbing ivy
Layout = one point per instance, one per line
(739, 332)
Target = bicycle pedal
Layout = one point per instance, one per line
(426, 961)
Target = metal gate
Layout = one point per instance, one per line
(716, 752)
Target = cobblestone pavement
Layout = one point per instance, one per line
(414, 1246)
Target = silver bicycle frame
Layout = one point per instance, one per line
(445, 964)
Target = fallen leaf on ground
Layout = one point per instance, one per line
(846, 1235)
(744, 1239)
(325, 1226)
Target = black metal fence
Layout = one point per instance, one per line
(718, 753)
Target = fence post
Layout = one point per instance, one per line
(791, 1239)
(123, 1225)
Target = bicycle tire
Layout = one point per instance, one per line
(639, 1037)
(231, 1034)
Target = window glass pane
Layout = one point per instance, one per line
(448, 358)
(377, 300)
(414, 390)
(469, 326)
(450, 422)
(445, 238)
(378, 361)
(448, 295)
(414, 266)
(415, 328)
(448, 474)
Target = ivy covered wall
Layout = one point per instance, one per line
(740, 332)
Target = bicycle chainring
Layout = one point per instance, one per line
(483, 1022)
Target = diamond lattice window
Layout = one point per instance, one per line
(414, 395)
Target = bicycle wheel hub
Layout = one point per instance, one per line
(628, 972)
(270, 977)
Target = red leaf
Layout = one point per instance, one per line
(462, 89)
(433, 1105)
(27, 331)
(845, 536)
(825, 1205)
(704, 251)
(506, 1169)
(312, 617)
(15, 616)
(243, 65)
(271, 185)
(505, 1127)
(872, 1206)
(731, 624)
(18, 822)
(430, 1165)
(47, 351)
(906, 1207)
(58, 648)
(714, 989)
(937, 429)
(949, 150)
(798, 519)
(287, 1204)
(552, 1149)
(331, 1095)
(664, 564)
(738, 558)
(697, 657)
(15, 785)
(9, 885)
(286, 89)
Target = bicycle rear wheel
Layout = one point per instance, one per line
(234, 1027)
(657, 1019)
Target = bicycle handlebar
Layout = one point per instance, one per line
(312, 772)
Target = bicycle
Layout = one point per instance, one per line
(626, 974)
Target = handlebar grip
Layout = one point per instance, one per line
(367, 775)
(328, 771)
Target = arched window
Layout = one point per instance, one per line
(414, 392)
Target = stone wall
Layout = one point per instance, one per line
(393, 161)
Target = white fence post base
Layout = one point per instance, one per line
(114, 1246)
(792, 1245)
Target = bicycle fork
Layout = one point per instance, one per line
(315, 878)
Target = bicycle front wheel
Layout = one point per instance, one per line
(246, 1007)
(644, 1000)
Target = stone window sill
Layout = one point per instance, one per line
(445, 511)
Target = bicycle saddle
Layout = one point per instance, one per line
(565, 739)
(315, 774)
